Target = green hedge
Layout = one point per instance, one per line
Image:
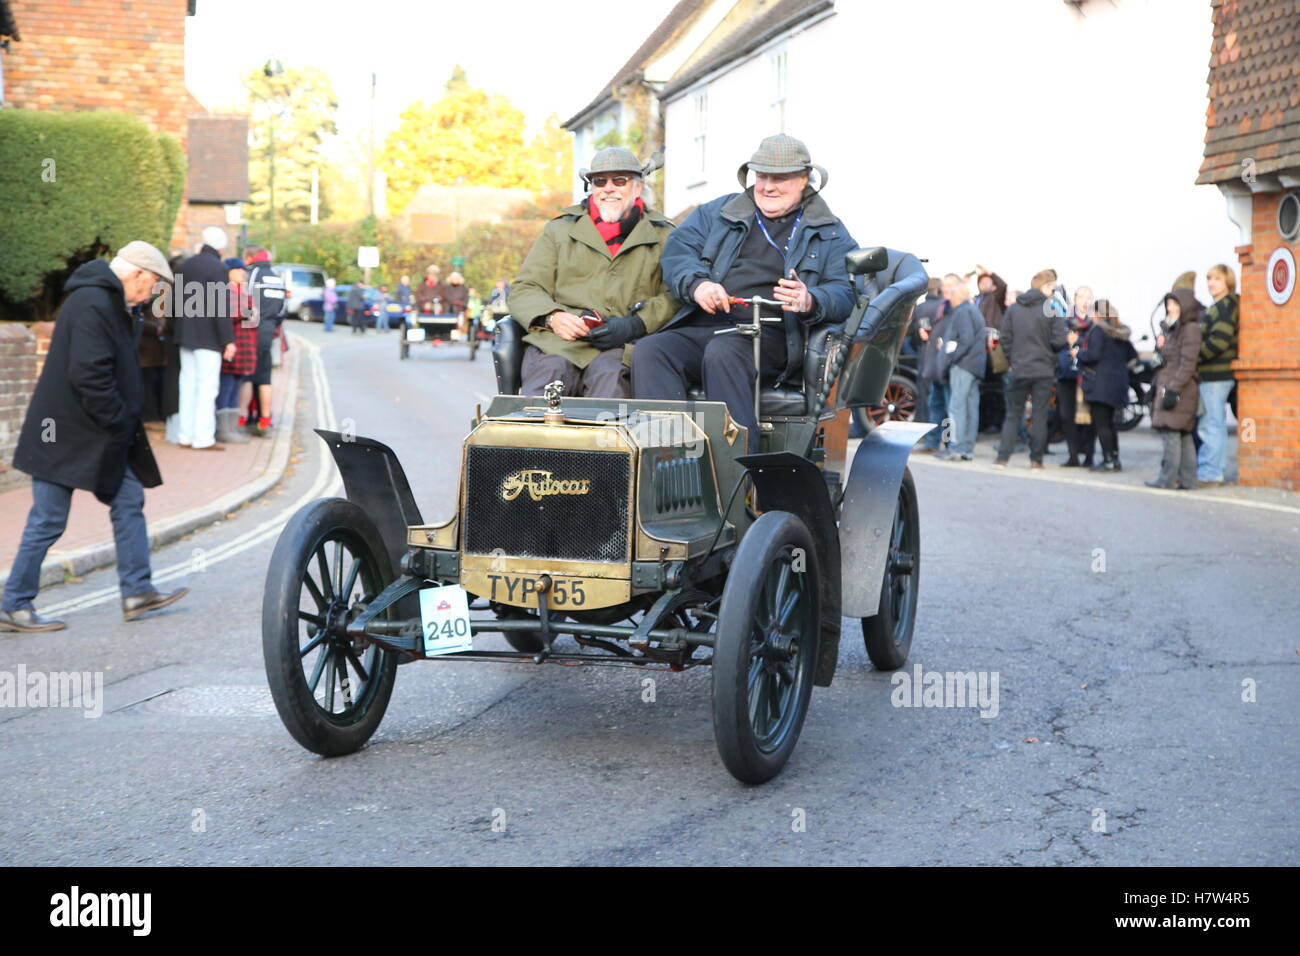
(78, 185)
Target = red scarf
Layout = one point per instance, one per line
(614, 233)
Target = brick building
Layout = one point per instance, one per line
(125, 55)
(217, 176)
(1252, 154)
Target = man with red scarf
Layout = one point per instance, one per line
(591, 284)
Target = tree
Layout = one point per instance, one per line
(468, 136)
(300, 104)
(552, 153)
(74, 186)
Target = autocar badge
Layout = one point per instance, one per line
(539, 484)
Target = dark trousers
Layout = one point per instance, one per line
(604, 377)
(153, 393)
(1079, 439)
(666, 365)
(1040, 391)
(1178, 458)
(357, 319)
(1103, 420)
(46, 522)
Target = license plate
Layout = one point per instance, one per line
(522, 590)
(415, 335)
(445, 614)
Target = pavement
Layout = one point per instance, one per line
(199, 487)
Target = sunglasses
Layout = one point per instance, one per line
(619, 181)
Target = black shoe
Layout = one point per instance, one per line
(1159, 484)
(1070, 463)
(25, 620)
(140, 604)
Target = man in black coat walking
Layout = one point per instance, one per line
(84, 430)
(1033, 332)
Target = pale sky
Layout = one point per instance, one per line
(547, 56)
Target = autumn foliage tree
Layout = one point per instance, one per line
(469, 136)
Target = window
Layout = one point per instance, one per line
(701, 130)
(779, 77)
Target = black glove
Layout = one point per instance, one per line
(616, 332)
(1170, 401)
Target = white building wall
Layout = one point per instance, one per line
(1016, 135)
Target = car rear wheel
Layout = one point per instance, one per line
(898, 405)
(330, 690)
(765, 647)
(888, 634)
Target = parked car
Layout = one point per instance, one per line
(313, 309)
(302, 283)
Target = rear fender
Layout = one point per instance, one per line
(867, 513)
(789, 482)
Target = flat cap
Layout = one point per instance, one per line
(144, 256)
(613, 159)
(780, 154)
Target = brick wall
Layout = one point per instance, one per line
(1268, 365)
(17, 380)
(125, 55)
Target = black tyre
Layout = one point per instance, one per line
(1130, 413)
(331, 692)
(765, 647)
(888, 635)
(899, 404)
(529, 642)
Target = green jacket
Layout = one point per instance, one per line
(1219, 340)
(570, 268)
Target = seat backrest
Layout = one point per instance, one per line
(874, 351)
(508, 355)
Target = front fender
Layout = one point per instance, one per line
(867, 514)
(374, 479)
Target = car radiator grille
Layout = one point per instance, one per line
(549, 524)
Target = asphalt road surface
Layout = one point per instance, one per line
(1145, 650)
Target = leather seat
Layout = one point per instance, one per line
(789, 398)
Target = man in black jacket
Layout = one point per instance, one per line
(83, 430)
(1033, 332)
(206, 335)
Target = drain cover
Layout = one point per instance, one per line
(229, 700)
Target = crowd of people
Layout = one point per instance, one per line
(207, 346)
(432, 297)
(1036, 348)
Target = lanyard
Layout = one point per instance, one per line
(768, 236)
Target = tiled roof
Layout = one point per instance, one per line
(218, 159)
(1254, 81)
(781, 17)
(679, 17)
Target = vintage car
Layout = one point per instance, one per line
(633, 533)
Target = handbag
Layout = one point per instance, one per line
(1082, 413)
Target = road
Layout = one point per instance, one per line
(1145, 648)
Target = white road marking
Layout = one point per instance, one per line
(327, 484)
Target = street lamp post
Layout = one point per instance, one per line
(272, 68)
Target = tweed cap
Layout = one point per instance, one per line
(779, 154)
(613, 159)
(144, 256)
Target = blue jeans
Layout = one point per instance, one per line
(46, 522)
(964, 407)
(329, 319)
(228, 392)
(381, 320)
(1212, 429)
(938, 414)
